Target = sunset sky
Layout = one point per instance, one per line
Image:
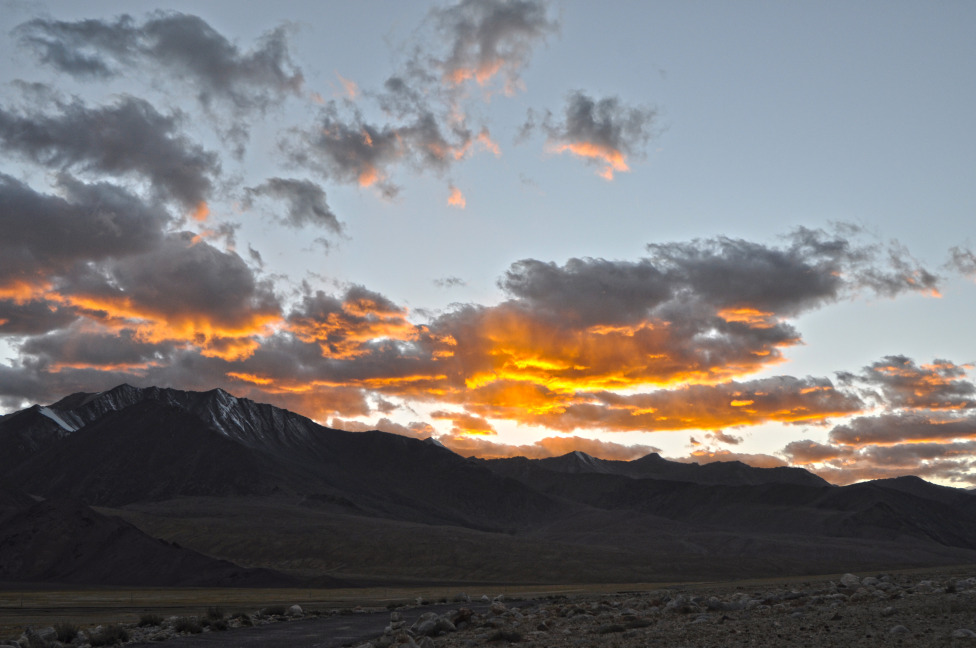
(714, 230)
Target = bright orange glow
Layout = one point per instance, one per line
(368, 177)
(754, 318)
(21, 292)
(134, 367)
(614, 159)
(201, 212)
(512, 345)
(741, 403)
(250, 378)
(346, 334)
(456, 199)
(228, 340)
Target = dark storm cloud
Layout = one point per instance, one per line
(128, 138)
(76, 348)
(589, 291)
(486, 38)
(306, 202)
(32, 317)
(904, 384)
(815, 267)
(604, 131)
(45, 235)
(184, 46)
(184, 280)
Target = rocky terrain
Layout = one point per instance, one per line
(900, 609)
(882, 610)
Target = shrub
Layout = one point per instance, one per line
(34, 641)
(215, 613)
(188, 624)
(66, 632)
(216, 624)
(108, 636)
(274, 610)
(146, 620)
(511, 636)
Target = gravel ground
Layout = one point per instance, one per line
(878, 610)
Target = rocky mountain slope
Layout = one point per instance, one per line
(65, 541)
(250, 482)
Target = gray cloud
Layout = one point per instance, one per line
(345, 147)
(77, 348)
(889, 429)
(952, 461)
(128, 138)
(904, 384)
(349, 150)
(604, 132)
(415, 429)
(589, 291)
(184, 46)
(32, 316)
(814, 268)
(449, 282)
(46, 235)
(721, 437)
(963, 261)
(306, 202)
(490, 37)
(185, 279)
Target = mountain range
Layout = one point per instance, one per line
(159, 486)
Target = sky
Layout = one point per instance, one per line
(718, 231)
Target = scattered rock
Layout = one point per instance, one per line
(963, 633)
(431, 624)
(850, 581)
(296, 611)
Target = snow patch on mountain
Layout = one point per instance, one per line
(51, 414)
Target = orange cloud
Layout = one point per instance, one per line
(465, 423)
(201, 212)
(21, 291)
(344, 332)
(456, 199)
(349, 87)
(481, 73)
(612, 158)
